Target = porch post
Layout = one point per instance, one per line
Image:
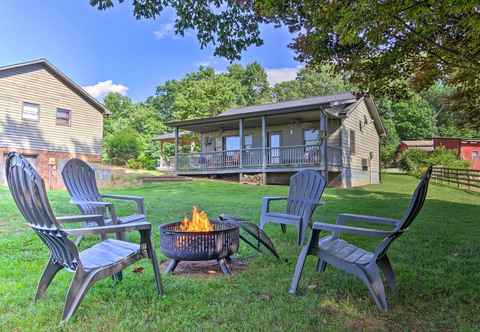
(324, 137)
(264, 141)
(177, 141)
(242, 142)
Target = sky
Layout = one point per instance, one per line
(110, 50)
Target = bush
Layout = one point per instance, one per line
(122, 146)
(417, 161)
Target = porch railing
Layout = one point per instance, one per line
(285, 156)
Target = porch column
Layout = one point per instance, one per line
(177, 141)
(264, 141)
(324, 144)
(242, 140)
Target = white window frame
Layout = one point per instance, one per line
(69, 112)
(27, 116)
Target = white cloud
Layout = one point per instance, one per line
(166, 30)
(101, 89)
(277, 75)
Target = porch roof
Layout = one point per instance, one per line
(335, 106)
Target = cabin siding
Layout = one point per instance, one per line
(36, 84)
(367, 143)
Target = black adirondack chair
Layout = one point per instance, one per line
(363, 264)
(102, 260)
(306, 189)
(79, 178)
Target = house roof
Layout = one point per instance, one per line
(62, 77)
(337, 105)
(420, 144)
(169, 136)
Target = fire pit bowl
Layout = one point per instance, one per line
(219, 244)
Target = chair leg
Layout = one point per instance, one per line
(81, 282)
(386, 267)
(146, 238)
(284, 228)
(321, 265)
(374, 283)
(299, 269)
(263, 222)
(48, 274)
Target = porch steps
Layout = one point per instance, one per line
(164, 178)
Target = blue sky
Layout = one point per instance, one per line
(112, 51)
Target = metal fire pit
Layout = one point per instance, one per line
(218, 244)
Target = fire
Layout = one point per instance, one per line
(198, 223)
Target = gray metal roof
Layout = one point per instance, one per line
(170, 135)
(305, 103)
(59, 74)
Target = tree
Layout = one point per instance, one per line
(122, 146)
(310, 82)
(377, 41)
(253, 80)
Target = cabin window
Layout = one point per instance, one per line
(63, 117)
(30, 111)
(248, 141)
(311, 137)
(364, 164)
(353, 143)
(231, 143)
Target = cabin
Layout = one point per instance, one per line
(338, 135)
(48, 118)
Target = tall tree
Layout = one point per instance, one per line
(310, 82)
(378, 41)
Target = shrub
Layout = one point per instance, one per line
(122, 146)
(416, 161)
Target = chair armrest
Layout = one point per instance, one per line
(74, 201)
(351, 230)
(274, 198)
(342, 218)
(135, 226)
(137, 199)
(97, 218)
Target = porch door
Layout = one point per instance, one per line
(274, 143)
(231, 148)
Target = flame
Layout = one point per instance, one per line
(198, 223)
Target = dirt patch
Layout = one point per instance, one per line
(206, 269)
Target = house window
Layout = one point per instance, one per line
(248, 141)
(311, 137)
(63, 117)
(364, 164)
(353, 143)
(360, 125)
(231, 143)
(30, 111)
(475, 155)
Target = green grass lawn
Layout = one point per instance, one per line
(437, 264)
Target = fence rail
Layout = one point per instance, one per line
(463, 178)
(285, 156)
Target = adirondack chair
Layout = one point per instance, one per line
(102, 260)
(79, 178)
(306, 188)
(364, 265)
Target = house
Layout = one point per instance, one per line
(465, 149)
(186, 140)
(338, 135)
(47, 117)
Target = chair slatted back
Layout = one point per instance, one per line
(28, 191)
(79, 178)
(306, 188)
(416, 203)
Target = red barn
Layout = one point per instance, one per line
(465, 149)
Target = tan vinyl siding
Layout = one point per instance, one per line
(35, 84)
(366, 142)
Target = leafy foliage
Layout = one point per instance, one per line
(415, 161)
(379, 42)
(122, 146)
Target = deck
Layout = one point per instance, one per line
(253, 160)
